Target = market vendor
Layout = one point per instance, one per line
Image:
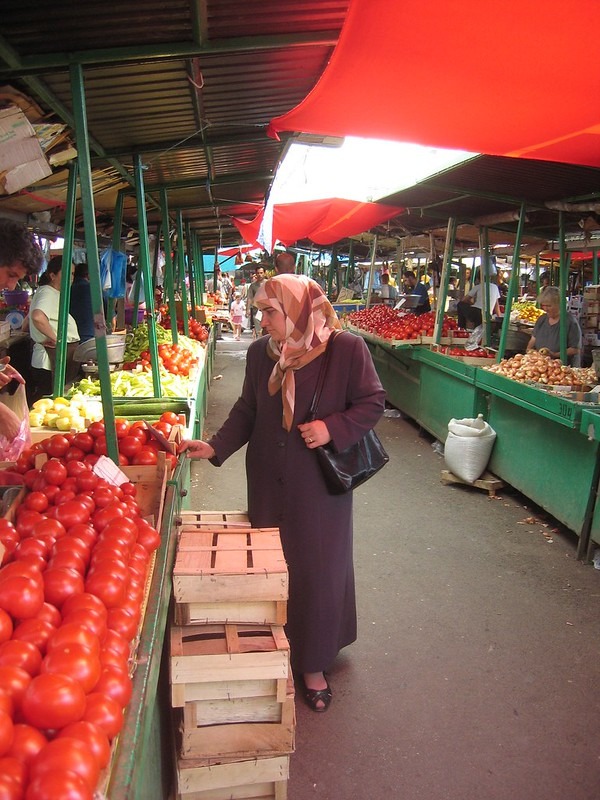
(545, 336)
(416, 287)
(43, 329)
(470, 308)
(20, 255)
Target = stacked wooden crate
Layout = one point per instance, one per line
(231, 687)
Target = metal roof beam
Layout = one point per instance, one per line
(192, 142)
(245, 177)
(51, 62)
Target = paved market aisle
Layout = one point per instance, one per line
(476, 672)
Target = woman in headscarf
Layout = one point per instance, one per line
(285, 485)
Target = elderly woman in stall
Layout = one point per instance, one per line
(545, 336)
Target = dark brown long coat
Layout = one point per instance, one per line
(286, 489)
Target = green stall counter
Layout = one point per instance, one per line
(539, 448)
(590, 430)
(399, 373)
(448, 390)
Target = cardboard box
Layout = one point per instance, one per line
(22, 160)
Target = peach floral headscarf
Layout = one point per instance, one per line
(309, 321)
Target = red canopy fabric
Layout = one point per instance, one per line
(321, 221)
(515, 78)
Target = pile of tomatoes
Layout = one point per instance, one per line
(461, 352)
(383, 321)
(174, 358)
(71, 592)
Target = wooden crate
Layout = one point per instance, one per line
(229, 574)
(256, 779)
(150, 481)
(213, 519)
(233, 688)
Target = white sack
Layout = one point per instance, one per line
(468, 447)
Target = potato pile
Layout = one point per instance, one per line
(533, 367)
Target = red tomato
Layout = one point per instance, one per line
(123, 622)
(17, 653)
(130, 445)
(96, 429)
(75, 468)
(67, 560)
(170, 417)
(108, 588)
(115, 683)
(84, 441)
(35, 631)
(163, 427)
(72, 512)
(146, 456)
(87, 481)
(100, 446)
(53, 701)
(96, 739)
(85, 533)
(7, 733)
(148, 536)
(50, 491)
(104, 712)
(36, 501)
(49, 613)
(13, 773)
(14, 681)
(56, 446)
(49, 530)
(122, 427)
(91, 459)
(6, 703)
(64, 495)
(76, 661)
(6, 626)
(129, 489)
(71, 545)
(59, 584)
(27, 520)
(66, 754)
(54, 784)
(109, 513)
(89, 619)
(21, 597)
(32, 547)
(27, 743)
(103, 497)
(54, 472)
(117, 643)
(74, 455)
(85, 601)
(73, 633)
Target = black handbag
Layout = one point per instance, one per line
(346, 470)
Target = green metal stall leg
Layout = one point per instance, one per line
(512, 285)
(60, 364)
(91, 243)
(443, 292)
(169, 283)
(145, 269)
(181, 272)
(563, 280)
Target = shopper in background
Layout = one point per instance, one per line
(545, 336)
(470, 308)
(387, 292)
(43, 329)
(81, 302)
(286, 488)
(250, 305)
(20, 255)
(414, 287)
(285, 263)
(237, 315)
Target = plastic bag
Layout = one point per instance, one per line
(11, 449)
(468, 447)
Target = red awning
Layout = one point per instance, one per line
(516, 78)
(321, 221)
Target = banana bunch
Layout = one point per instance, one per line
(526, 312)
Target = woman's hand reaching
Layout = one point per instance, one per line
(196, 448)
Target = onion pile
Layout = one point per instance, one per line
(533, 367)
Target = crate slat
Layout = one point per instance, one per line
(264, 778)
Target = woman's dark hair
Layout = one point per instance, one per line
(81, 270)
(54, 267)
(17, 243)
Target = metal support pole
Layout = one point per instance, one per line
(595, 268)
(537, 275)
(169, 284)
(445, 279)
(91, 244)
(563, 280)
(485, 278)
(513, 284)
(144, 267)
(60, 362)
(200, 268)
(181, 271)
(371, 271)
(191, 260)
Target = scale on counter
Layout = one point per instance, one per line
(115, 344)
(405, 302)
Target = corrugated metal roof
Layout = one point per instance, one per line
(189, 85)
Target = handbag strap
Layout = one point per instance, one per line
(312, 411)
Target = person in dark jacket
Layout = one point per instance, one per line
(81, 303)
(286, 488)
